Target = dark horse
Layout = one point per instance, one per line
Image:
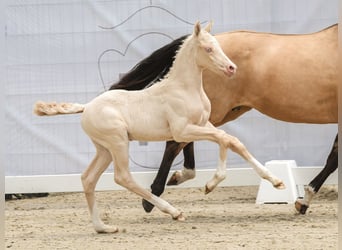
(270, 66)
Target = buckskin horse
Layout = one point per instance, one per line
(292, 78)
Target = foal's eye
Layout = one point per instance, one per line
(208, 49)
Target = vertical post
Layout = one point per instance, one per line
(3, 81)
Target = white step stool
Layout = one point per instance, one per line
(283, 170)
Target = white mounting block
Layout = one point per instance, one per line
(283, 170)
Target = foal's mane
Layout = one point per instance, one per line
(151, 69)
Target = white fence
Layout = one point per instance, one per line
(72, 182)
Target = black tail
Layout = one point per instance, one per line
(151, 69)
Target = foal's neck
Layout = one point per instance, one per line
(185, 69)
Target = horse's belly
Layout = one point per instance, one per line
(314, 114)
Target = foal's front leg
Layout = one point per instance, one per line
(209, 132)
(236, 146)
(193, 132)
(220, 174)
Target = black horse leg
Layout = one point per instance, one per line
(189, 164)
(317, 182)
(329, 168)
(189, 157)
(172, 149)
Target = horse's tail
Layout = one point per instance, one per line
(151, 69)
(53, 108)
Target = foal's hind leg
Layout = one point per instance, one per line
(123, 177)
(89, 179)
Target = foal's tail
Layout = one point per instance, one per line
(53, 108)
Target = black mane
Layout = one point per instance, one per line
(151, 69)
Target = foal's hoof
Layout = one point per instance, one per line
(301, 208)
(173, 181)
(147, 206)
(207, 190)
(107, 230)
(179, 217)
(280, 185)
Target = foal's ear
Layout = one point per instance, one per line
(197, 28)
(208, 27)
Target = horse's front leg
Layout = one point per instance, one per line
(302, 204)
(172, 149)
(188, 171)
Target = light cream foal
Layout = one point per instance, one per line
(177, 109)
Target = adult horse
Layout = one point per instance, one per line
(292, 78)
(176, 108)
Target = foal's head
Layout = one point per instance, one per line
(209, 53)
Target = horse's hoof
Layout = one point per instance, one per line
(280, 185)
(301, 208)
(180, 217)
(173, 181)
(298, 205)
(147, 206)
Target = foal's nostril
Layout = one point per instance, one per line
(231, 68)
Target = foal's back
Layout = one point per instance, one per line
(136, 111)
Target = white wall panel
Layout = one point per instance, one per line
(52, 53)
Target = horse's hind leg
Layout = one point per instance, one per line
(302, 204)
(188, 172)
(89, 179)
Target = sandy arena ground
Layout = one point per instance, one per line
(228, 218)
